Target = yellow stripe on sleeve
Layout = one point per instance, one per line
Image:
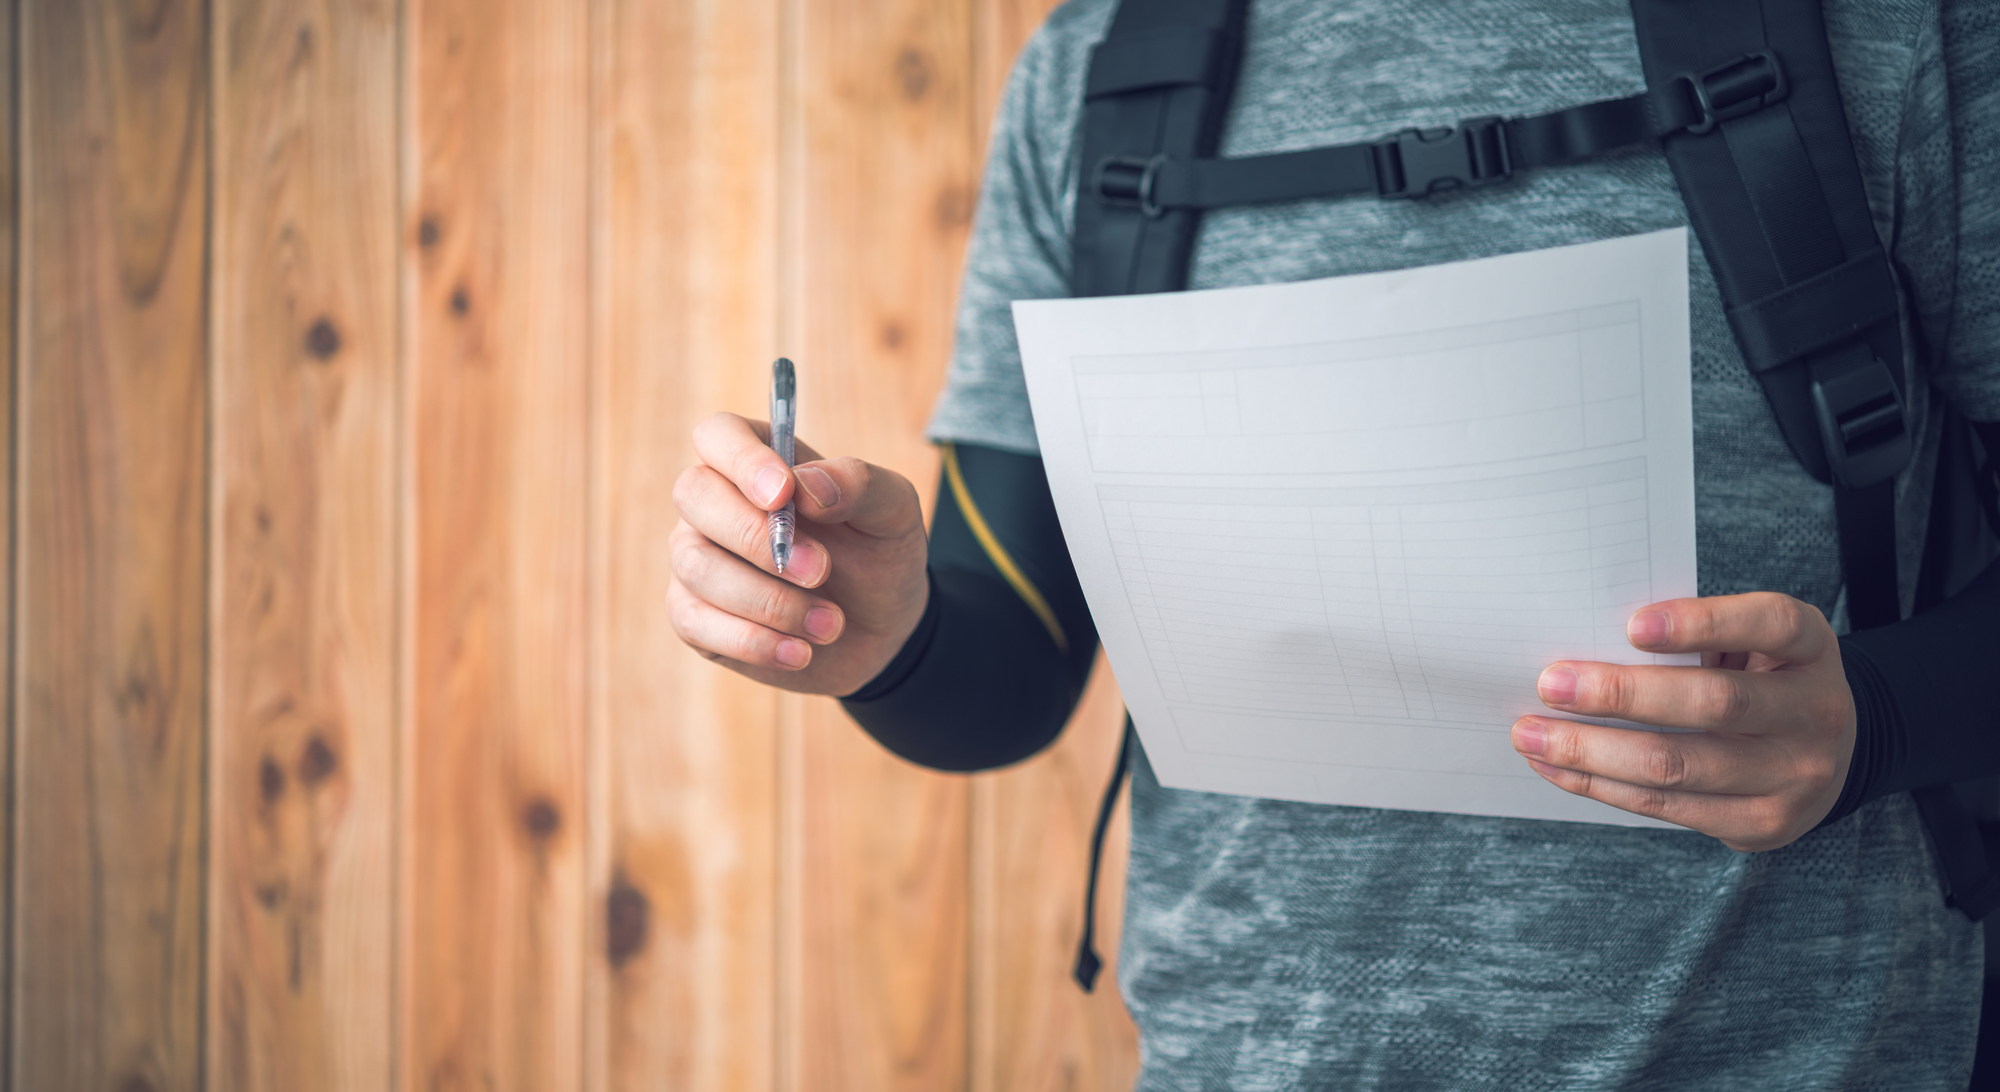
(996, 552)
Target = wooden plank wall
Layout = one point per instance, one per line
(352, 350)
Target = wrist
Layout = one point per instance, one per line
(906, 650)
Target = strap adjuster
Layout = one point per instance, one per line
(1861, 422)
(1734, 88)
(1418, 162)
(1128, 181)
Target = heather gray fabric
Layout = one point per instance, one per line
(1272, 945)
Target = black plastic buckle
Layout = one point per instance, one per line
(1127, 181)
(1419, 162)
(1734, 88)
(1861, 422)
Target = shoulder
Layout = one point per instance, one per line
(1075, 26)
(1047, 82)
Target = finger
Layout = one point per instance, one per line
(719, 635)
(740, 451)
(1768, 622)
(1709, 699)
(1747, 823)
(1691, 762)
(871, 499)
(712, 505)
(725, 581)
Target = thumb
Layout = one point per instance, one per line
(873, 500)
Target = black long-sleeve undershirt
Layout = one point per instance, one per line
(982, 682)
(1926, 697)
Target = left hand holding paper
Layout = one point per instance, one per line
(1771, 703)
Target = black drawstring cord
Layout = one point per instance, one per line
(1087, 961)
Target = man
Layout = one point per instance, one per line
(1280, 945)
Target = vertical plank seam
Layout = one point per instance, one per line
(211, 750)
(981, 834)
(594, 809)
(402, 643)
(788, 925)
(980, 840)
(16, 350)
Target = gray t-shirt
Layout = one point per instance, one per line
(1274, 945)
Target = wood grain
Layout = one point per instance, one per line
(1000, 29)
(497, 230)
(882, 162)
(1033, 1028)
(685, 229)
(472, 818)
(303, 794)
(109, 877)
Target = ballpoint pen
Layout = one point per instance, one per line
(784, 421)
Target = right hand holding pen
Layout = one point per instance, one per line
(855, 588)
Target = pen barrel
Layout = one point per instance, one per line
(781, 434)
(782, 523)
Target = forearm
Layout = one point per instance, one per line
(993, 670)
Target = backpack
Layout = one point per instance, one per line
(1742, 97)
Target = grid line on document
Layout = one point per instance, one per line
(1376, 627)
(1203, 642)
(1385, 524)
(1139, 592)
(1580, 388)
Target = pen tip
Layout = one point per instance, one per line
(784, 380)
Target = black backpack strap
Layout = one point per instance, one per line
(1410, 163)
(1774, 193)
(1088, 963)
(1158, 86)
(1970, 883)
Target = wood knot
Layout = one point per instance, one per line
(270, 895)
(954, 207)
(270, 780)
(322, 339)
(144, 19)
(913, 74)
(429, 232)
(460, 302)
(317, 762)
(893, 334)
(541, 819)
(625, 912)
(139, 698)
(133, 1082)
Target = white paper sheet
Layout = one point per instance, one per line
(1332, 531)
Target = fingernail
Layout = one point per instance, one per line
(1557, 686)
(765, 489)
(819, 485)
(808, 566)
(822, 623)
(1529, 736)
(1648, 629)
(794, 653)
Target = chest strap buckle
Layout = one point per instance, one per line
(1419, 162)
